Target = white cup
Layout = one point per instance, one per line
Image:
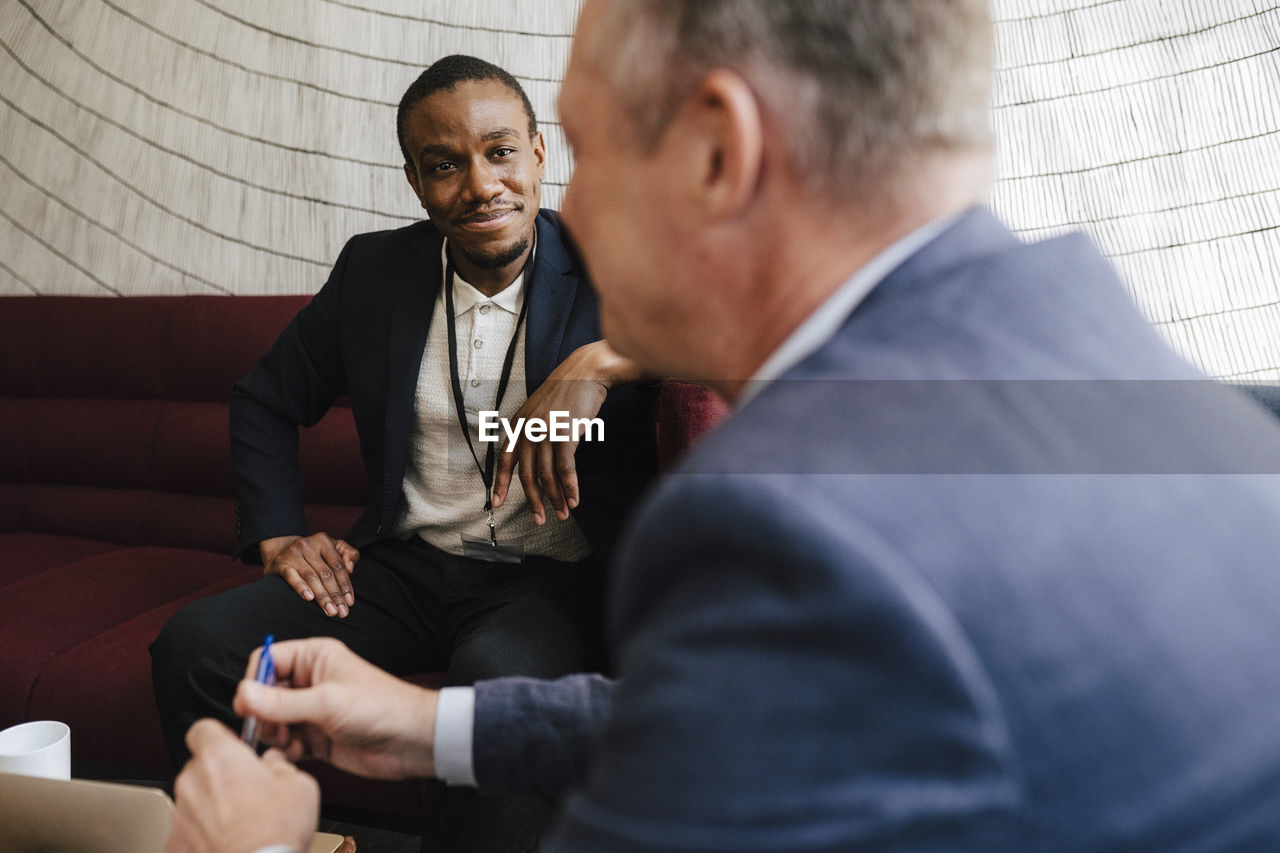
(41, 748)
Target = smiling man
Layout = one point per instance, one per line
(481, 308)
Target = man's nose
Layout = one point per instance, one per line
(483, 182)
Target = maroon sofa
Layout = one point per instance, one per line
(117, 507)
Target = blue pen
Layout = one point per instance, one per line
(266, 674)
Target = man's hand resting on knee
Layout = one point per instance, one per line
(342, 709)
(317, 567)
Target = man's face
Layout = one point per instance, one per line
(618, 207)
(476, 171)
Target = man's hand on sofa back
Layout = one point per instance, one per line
(317, 567)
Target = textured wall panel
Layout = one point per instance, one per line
(1155, 126)
(227, 146)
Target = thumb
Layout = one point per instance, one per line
(276, 758)
(205, 735)
(279, 704)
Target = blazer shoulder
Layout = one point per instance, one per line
(391, 239)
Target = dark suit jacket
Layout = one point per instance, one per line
(364, 334)
(913, 597)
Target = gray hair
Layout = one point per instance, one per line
(864, 87)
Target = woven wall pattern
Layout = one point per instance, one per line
(1155, 126)
(228, 146)
(231, 146)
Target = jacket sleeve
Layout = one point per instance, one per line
(292, 386)
(534, 736)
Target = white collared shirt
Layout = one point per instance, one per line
(444, 492)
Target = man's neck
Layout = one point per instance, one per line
(805, 257)
(490, 280)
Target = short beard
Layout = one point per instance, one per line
(497, 259)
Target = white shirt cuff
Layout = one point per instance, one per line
(455, 723)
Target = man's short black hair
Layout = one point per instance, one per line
(445, 74)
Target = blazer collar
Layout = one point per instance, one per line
(415, 287)
(974, 234)
(551, 291)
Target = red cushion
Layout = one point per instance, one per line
(49, 613)
(102, 687)
(27, 554)
(145, 347)
(685, 412)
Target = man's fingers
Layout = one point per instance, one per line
(323, 578)
(317, 568)
(566, 472)
(276, 759)
(312, 588)
(335, 579)
(280, 705)
(301, 663)
(502, 477)
(294, 579)
(208, 734)
(350, 555)
(548, 480)
(529, 480)
(181, 829)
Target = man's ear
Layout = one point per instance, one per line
(725, 130)
(411, 175)
(540, 154)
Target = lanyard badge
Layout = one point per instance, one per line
(492, 549)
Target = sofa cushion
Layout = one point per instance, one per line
(113, 419)
(102, 686)
(27, 554)
(53, 611)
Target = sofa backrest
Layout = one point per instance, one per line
(113, 418)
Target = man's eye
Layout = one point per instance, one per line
(504, 152)
(442, 167)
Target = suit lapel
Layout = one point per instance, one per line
(551, 291)
(416, 287)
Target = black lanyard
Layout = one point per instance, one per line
(486, 470)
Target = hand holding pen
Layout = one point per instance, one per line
(341, 709)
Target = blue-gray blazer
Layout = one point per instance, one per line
(913, 596)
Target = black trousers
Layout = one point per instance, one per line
(417, 609)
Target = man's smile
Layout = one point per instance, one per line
(488, 220)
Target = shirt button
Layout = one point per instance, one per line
(475, 383)
(479, 344)
(484, 309)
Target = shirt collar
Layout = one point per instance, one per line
(466, 297)
(820, 326)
